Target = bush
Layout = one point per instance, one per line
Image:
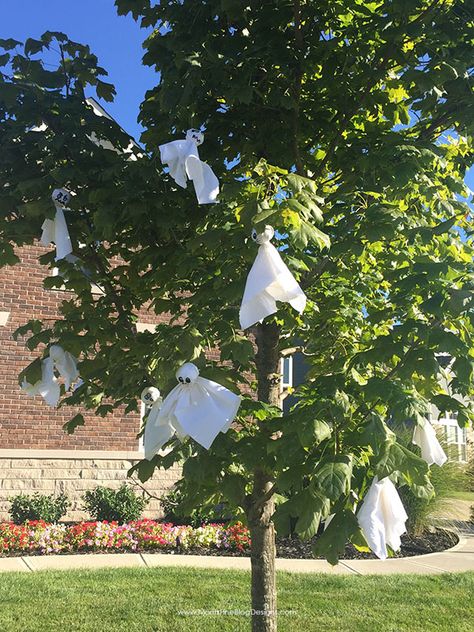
(171, 502)
(446, 479)
(121, 505)
(38, 507)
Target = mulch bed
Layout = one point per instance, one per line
(430, 541)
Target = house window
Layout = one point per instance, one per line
(454, 436)
(286, 369)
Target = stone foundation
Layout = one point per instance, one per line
(73, 472)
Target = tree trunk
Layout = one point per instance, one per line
(260, 511)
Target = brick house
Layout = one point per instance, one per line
(35, 453)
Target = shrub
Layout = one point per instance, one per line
(121, 505)
(450, 477)
(171, 505)
(38, 507)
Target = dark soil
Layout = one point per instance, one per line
(430, 541)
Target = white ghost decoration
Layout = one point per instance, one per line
(55, 230)
(182, 159)
(65, 364)
(196, 407)
(424, 436)
(382, 517)
(268, 281)
(155, 436)
(48, 387)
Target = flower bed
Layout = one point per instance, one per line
(39, 537)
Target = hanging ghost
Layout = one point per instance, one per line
(268, 281)
(182, 159)
(48, 386)
(196, 407)
(424, 436)
(382, 517)
(55, 230)
(155, 436)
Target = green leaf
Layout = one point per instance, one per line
(33, 46)
(410, 467)
(332, 542)
(32, 373)
(305, 234)
(9, 44)
(71, 425)
(333, 478)
(311, 432)
(312, 507)
(143, 469)
(105, 90)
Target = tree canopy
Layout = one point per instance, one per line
(347, 126)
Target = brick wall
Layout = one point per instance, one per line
(27, 422)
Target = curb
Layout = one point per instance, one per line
(430, 563)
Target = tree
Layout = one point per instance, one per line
(346, 125)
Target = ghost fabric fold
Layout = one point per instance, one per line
(382, 517)
(155, 436)
(196, 407)
(48, 387)
(66, 365)
(424, 436)
(268, 281)
(56, 230)
(183, 161)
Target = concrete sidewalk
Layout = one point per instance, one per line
(458, 558)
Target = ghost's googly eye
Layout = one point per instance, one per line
(147, 397)
(188, 381)
(254, 234)
(180, 379)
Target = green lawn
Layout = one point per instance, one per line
(463, 496)
(145, 600)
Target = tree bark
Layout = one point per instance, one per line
(261, 507)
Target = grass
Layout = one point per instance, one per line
(146, 600)
(462, 495)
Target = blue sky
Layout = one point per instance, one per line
(117, 42)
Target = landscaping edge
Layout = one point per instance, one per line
(430, 563)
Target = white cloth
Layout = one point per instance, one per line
(182, 159)
(196, 407)
(424, 436)
(56, 230)
(268, 281)
(48, 387)
(382, 517)
(65, 364)
(155, 436)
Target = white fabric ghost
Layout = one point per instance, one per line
(424, 436)
(155, 436)
(269, 281)
(382, 517)
(65, 364)
(196, 407)
(182, 159)
(55, 230)
(48, 387)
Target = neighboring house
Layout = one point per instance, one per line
(36, 455)
(457, 441)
